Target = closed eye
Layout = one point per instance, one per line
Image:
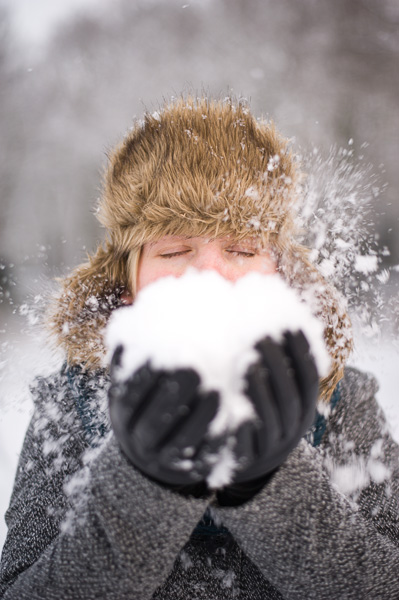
(244, 253)
(173, 254)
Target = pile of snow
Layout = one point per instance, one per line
(204, 322)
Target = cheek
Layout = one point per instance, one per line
(149, 271)
(260, 264)
(146, 275)
(267, 265)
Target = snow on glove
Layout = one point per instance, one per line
(160, 419)
(283, 387)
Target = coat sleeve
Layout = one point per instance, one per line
(117, 539)
(318, 534)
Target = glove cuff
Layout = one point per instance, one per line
(240, 493)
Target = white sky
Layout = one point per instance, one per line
(33, 21)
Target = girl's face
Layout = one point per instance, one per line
(172, 255)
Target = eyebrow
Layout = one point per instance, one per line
(171, 239)
(248, 242)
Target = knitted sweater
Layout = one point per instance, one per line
(85, 524)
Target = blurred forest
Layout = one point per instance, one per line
(325, 71)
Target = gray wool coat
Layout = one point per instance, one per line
(85, 524)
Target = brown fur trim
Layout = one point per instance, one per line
(327, 304)
(197, 168)
(81, 310)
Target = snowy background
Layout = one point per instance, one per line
(73, 75)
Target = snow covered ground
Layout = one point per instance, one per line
(25, 356)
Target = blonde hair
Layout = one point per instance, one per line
(133, 262)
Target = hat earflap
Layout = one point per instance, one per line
(87, 298)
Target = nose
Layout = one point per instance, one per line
(210, 258)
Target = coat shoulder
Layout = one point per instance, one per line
(358, 383)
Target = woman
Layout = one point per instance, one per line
(96, 512)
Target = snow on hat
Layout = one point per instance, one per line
(196, 167)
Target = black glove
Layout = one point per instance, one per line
(161, 419)
(283, 387)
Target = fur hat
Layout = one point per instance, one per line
(195, 168)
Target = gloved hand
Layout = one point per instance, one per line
(160, 419)
(283, 387)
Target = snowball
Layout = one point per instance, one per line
(204, 322)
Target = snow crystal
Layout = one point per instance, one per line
(337, 219)
(327, 267)
(366, 263)
(342, 244)
(225, 465)
(353, 477)
(254, 223)
(226, 577)
(378, 471)
(186, 561)
(376, 450)
(252, 192)
(273, 162)
(350, 478)
(383, 276)
(92, 303)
